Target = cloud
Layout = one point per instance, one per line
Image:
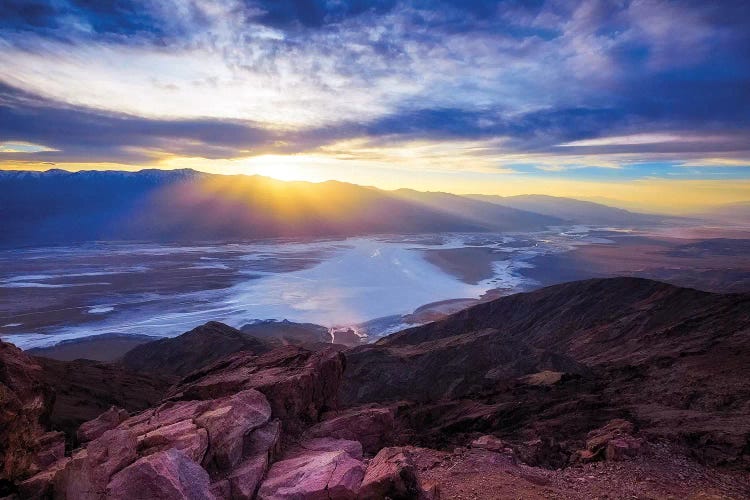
(143, 80)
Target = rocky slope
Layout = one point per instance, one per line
(615, 388)
(567, 358)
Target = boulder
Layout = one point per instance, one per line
(183, 435)
(166, 414)
(353, 448)
(314, 475)
(614, 441)
(86, 475)
(24, 401)
(166, 475)
(50, 449)
(228, 423)
(393, 474)
(246, 477)
(265, 440)
(92, 429)
(371, 426)
(40, 485)
(489, 443)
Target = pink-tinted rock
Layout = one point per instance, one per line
(166, 475)
(92, 429)
(183, 435)
(299, 384)
(614, 441)
(353, 448)
(228, 423)
(393, 474)
(39, 486)
(51, 449)
(265, 440)
(622, 448)
(86, 475)
(314, 475)
(371, 426)
(246, 477)
(166, 414)
(24, 400)
(490, 443)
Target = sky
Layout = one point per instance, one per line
(643, 104)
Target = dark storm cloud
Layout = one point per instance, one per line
(82, 135)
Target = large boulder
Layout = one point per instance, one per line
(183, 435)
(228, 423)
(393, 474)
(92, 429)
(371, 426)
(353, 448)
(314, 475)
(86, 475)
(24, 402)
(166, 475)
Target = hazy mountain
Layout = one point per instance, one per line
(183, 205)
(738, 213)
(572, 210)
(485, 212)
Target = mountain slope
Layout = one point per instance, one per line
(185, 205)
(564, 359)
(571, 210)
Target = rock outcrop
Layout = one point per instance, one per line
(372, 426)
(314, 474)
(393, 474)
(191, 351)
(25, 402)
(300, 385)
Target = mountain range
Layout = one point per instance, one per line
(626, 387)
(185, 205)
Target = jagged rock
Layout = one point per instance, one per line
(490, 443)
(166, 414)
(183, 435)
(614, 441)
(353, 448)
(393, 474)
(228, 422)
(86, 475)
(371, 426)
(245, 478)
(622, 448)
(92, 429)
(314, 475)
(24, 401)
(39, 486)
(299, 384)
(166, 475)
(50, 449)
(265, 440)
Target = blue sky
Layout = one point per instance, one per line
(504, 96)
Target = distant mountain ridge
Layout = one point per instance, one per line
(571, 210)
(185, 205)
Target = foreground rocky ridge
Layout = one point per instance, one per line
(619, 387)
